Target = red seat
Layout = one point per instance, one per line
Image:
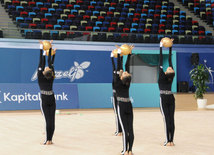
(44, 20)
(201, 32)
(90, 7)
(126, 29)
(194, 22)
(113, 24)
(113, 4)
(135, 20)
(196, 4)
(85, 17)
(144, 10)
(88, 28)
(32, 4)
(156, 16)
(23, 14)
(162, 26)
(134, 1)
(127, 1)
(80, 2)
(124, 35)
(175, 12)
(69, 6)
(71, 16)
(100, 18)
(169, 16)
(158, 7)
(111, 29)
(137, 15)
(161, 31)
(147, 30)
(16, 3)
(49, 26)
(45, 10)
(32, 26)
(110, 13)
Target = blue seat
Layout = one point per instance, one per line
(88, 12)
(163, 7)
(39, 4)
(130, 14)
(140, 30)
(32, 14)
(76, 7)
(100, 3)
(47, 5)
(65, 1)
(133, 30)
(68, 22)
(162, 21)
(175, 27)
(59, 11)
(175, 32)
(96, 28)
(107, 18)
(194, 32)
(57, 27)
(142, 20)
(24, 25)
(122, 19)
(126, 5)
(98, 8)
(96, 13)
(58, 1)
(62, 6)
(160, 37)
(19, 8)
(208, 33)
(181, 32)
(48, 15)
(143, 15)
(111, 8)
(28, 20)
(93, 2)
(36, 9)
(163, 16)
(98, 23)
(134, 25)
(19, 19)
(104, 29)
(51, 10)
(151, 11)
(142, 25)
(74, 12)
(65, 27)
(60, 21)
(25, 31)
(125, 10)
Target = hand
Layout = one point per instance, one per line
(41, 44)
(54, 51)
(112, 54)
(161, 44)
(119, 51)
(44, 53)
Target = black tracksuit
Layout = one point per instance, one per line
(48, 104)
(167, 101)
(114, 99)
(125, 110)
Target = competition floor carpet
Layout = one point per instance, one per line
(90, 132)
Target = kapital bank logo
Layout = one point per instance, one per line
(76, 72)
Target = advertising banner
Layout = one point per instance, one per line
(27, 96)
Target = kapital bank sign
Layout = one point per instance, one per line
(74, 73)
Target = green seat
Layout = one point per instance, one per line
(132, 10)
(36, 20)
(149, 21)
(164, 12)
(188, 32)
(194, 27)
(81, 12)
(23, 3)
(63, 16)
(83, 23)
(120, 24)
(145, 6)
(102, 13)
(116, 14)
(67, 11)
(106, 4)
(93, 18)
(168, 31)
(175, 22)
(55, 5)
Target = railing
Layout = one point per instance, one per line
(75, 35)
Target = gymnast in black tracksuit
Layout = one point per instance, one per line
(114, 99)
(125, 111)
(48, 104)
(167, 100)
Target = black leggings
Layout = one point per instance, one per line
(125, 113)
(48, 108)
(115, 107)
(167, 107)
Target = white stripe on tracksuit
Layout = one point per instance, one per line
(45, 121)
(115, 112)
(124, 136)
(164, 119)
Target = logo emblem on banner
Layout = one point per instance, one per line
(76, 72)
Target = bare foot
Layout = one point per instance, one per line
(126, 153)
(119, 134)
(172, 144)
(49, 142)
(168, 144)
(130, 153)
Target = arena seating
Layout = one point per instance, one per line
(103, 20)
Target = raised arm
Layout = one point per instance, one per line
(170, 57)
(112, 61)
(41, 59)
(128, 63)
(49, 58)
(161, 56)
(119, 63)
